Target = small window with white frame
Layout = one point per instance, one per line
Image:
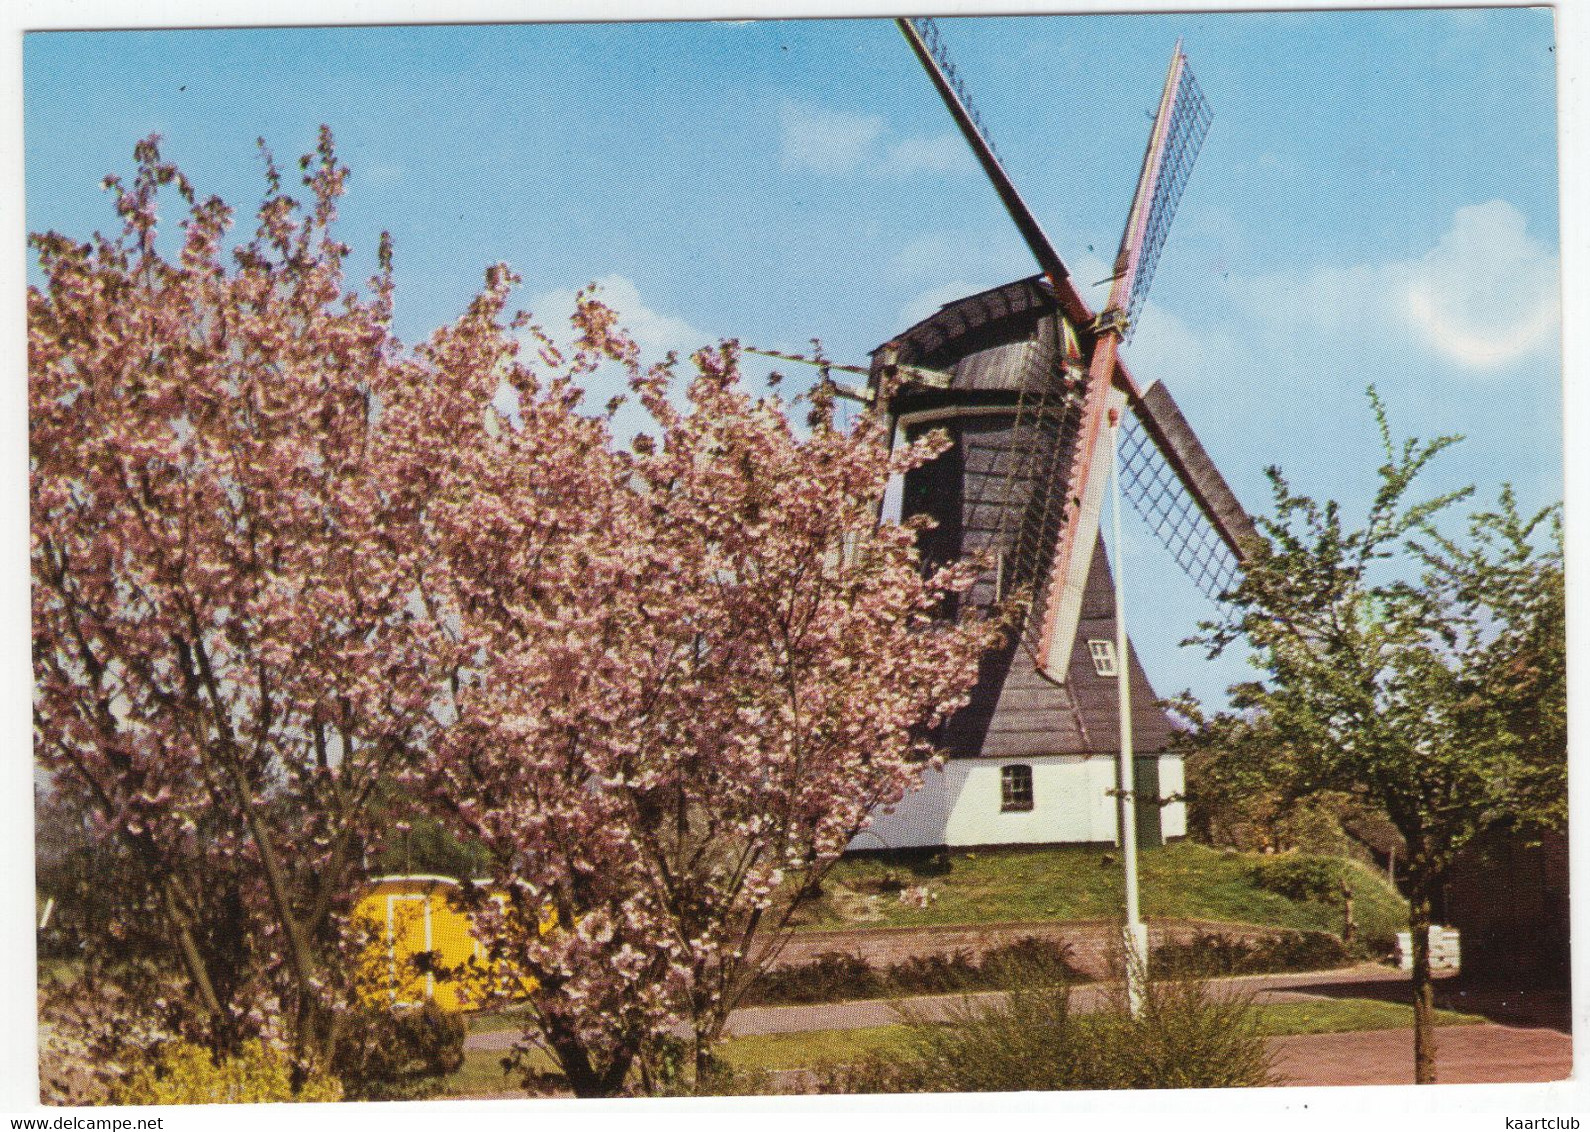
(1015, 788)
(1103, 654)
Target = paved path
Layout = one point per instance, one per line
(1465, 1055)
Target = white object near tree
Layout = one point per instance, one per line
(1445, 949)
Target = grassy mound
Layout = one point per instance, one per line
(1181, 881)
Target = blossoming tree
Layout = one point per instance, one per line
(707, 662)
(280, 563)
(228, 663)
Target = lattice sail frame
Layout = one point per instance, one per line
(1029, 467)
(1153, 205)
(1158, 495)
(1189, 124)
(928, 29)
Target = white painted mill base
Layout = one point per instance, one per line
(963, 804)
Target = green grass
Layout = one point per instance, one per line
(811, 1047)
(482, 1073)
(482, 1069)
(1344, 1015)
(508, 1018)
(1181, 881)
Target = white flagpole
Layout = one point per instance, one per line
(1135, 935)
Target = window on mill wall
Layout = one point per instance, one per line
(1015, 787)
(1103, 654)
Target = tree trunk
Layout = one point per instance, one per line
(586, 1078)
(704, 1043)
(1423, 983)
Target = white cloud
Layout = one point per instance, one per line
(946, 153)
(1487, 295)
(654, 332)
(1319, 299)
(838, 142)
(1168, 347)
(827, 141)
(1484, 298)
(1271, 368)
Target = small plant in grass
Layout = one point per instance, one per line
(1010, 1045)
(1184, 1037)
(667, 1068)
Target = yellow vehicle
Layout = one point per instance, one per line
(423, 947)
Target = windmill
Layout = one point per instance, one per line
(1028, 381)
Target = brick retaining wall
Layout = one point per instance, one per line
(1094, 944)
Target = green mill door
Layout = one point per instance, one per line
(1145, 770)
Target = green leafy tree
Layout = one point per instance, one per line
(1420, 672)
(1242, 789)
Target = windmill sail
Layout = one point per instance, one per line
(1180, 494)
(923, 36)
(1024, 378)
(1179, 128)
(1032, 498)
(1173, 146)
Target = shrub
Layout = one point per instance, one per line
(384, 1054)
(835, 977)
(1214, 953)
(1014, 963)
(1299, 951)
(1187, 1036)
(1377, 944)
(1300, 876)
(183, 1073)
(831, 977)
(933, 974)
(1184, 1037)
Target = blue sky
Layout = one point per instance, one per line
(1376, 201)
